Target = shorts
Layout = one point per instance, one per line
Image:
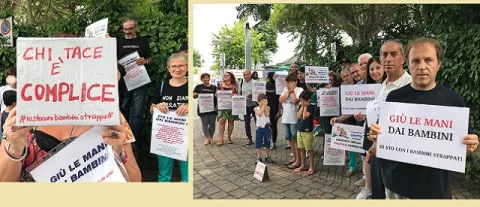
(304, 140)
(290, 131)
(262, 137)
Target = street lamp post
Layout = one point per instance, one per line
(221, 44)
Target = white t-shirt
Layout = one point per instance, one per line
(289, 115)
(404, 80)
(261, 120)
(2, 90)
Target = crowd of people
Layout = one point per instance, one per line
(296, 108)
(24, 146)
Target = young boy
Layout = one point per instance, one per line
(289, 100)
(10, 101)
(304, 133)
(262, 113)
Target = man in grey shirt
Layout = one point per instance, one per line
(246, 89)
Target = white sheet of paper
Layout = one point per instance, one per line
(205, 102)
(239, 105)
(328, 101)
(429, 135)
(224, 99)
(348, 137)
(259, 171)
(86, 159)
(169, 135)
(373, 110)
(332, 156)
(76, 81)
(97, 29)
(137, 75)
(354, 98)
(314, 74)
(259, 87)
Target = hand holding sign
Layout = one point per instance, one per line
(359, 117)
(141, 61)
(115, 136)
(471, 141)
(374, 132)
(182, 110)
(15, 135)
(162, 107)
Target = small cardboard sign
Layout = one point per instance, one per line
(261, 172)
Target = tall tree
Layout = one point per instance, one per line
(263, 43)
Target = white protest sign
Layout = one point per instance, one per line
(224, 99)
(67, 81)
(205, 102)
(315, 74)
(239, 105)
(136, 74)
(97, 29)
(169, 135)
(261, 172)
(348, 137)
(373, 110)
(259, 87)
(423, 135)
(354, 98)
(332, 156)
(6, 28)
(86, 159)
(328, 101)
(280, 82)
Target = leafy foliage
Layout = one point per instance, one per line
(263, 42)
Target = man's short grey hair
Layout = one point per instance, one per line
(400, 44)
(346, 70)
(364, 55)
(134, 20)
(177, 56)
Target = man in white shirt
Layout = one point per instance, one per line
(392, 57)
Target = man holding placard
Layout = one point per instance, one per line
(135, 98)
(414, 181)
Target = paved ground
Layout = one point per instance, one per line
(226, 172)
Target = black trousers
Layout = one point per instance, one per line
(378, 187)
(274, 121)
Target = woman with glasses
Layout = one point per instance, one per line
(230, 84)
(172, 95)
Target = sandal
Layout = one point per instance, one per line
(230, 141)
(288, 163)
(297, 170)
(350, 172)
(249, 142)
(292, 167)
(220, 142)
(310, 172)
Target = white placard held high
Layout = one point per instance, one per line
(315, 74)
(67, 81)
(424, 135)
(169, 135)
(97, 29)
(280, 82)
(354, 98)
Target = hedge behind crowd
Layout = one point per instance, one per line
(164, 22)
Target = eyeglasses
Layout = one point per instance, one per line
(129, 29)
(174, 67)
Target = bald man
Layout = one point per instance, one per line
(246, 89)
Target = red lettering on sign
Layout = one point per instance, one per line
(97, 53)
(64, 91)
(55, 66)
(79, 53)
